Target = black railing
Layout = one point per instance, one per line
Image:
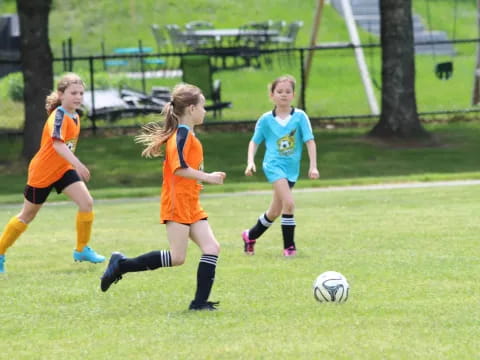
(69, 62)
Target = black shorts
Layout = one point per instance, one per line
(40, 195)
(204, 219)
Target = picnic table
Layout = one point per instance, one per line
(226, 36)
(236, 43)
(134, 51)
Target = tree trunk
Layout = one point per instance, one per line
(399, 117)
(37, 68)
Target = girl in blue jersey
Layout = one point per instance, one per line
(284, 130)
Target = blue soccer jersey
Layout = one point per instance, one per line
(284, 141)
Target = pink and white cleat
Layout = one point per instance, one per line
(249, 244)
(290, 251)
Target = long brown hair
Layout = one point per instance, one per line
(53, 100)
(154, 135)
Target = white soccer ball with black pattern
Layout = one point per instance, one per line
(331, 286)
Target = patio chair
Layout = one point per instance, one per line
(278, 25)
(162, 46)
(198, 25)
(160, 38)
(197, 70)
(257, 41)
(195, 41)
(177, 38)
(289, 38)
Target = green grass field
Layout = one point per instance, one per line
(345, 157)
(410, 255)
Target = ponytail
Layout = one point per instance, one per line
(154, 135)
(52, 102)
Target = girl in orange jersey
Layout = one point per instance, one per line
(180, 206)
(56, 166)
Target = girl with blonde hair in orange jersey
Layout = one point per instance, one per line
(181, 211)
(56, 166)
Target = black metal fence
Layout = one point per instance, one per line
(341, 99)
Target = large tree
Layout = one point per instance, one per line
(399, 117)
(37, 68)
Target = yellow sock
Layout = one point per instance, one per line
(84, 228)
(12, 231)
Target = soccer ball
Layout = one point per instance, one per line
(331, 286)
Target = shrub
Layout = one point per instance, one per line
(11, 87)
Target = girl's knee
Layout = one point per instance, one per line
(178, 260)
(178, 256)
(27, 216)
(273, 214)
(288, 207)
(86, 205)
(212, 249)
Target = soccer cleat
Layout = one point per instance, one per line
(290, 251)
(249, 244)
(2, 264)
(88, 254)
(112, 274)
(206, 306)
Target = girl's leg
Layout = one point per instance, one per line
(17, 225)
(265, 220)
(79, 194)
(177, 235)
(283, 193)
(202, 235)
(119, 264)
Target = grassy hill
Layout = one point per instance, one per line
(335, 87)
(123, 23)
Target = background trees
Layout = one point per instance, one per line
(399, 117)
(37, 68)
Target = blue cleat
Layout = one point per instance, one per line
(2, 264)
(88, 254)
(112, 274)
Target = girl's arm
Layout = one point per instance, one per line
(215, 177)
(312, 154)
(252, 150)
(68, 155)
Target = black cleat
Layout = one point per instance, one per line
(206, 306)
(112, 274)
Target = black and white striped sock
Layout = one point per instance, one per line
(149, 261)
(205, 277)
(288, 230)
(263, 223)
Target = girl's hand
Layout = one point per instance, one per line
(250, 169)
(83, 172)
(313, 173)
(216, 177)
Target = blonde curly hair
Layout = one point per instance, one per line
(53, 100)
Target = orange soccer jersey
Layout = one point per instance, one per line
(180, 199)
(47, 166)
